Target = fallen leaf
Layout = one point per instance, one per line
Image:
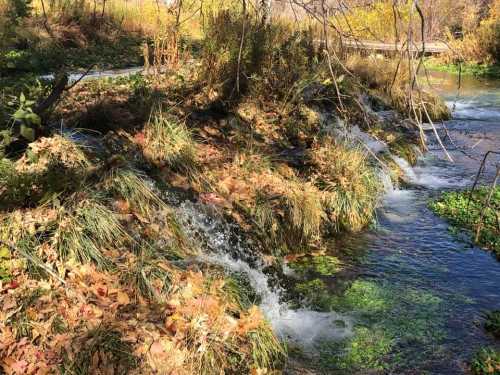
(122, 298)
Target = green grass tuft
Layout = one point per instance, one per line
(85, 231)
(168, 143)
(150, 278)
(134, 187)
(350, 186)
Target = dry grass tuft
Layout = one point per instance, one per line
(86, 231)
(350, 186)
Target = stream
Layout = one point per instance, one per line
(405, 297)
(415, 292)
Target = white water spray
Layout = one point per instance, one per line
(300, 326)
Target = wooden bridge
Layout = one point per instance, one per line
(431, 48)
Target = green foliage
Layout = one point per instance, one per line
(486, 362)
(465, 213)
(18, 9)
(467, 68)
(492, 322)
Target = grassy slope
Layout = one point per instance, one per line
(489, 71)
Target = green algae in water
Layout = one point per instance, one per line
(325, 265)
(315, 294)
(395, 326)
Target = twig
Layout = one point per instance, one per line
(242, 41)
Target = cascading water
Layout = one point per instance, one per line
(222, 246)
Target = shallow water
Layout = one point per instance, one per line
(428, 286)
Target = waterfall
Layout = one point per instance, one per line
(221, 245)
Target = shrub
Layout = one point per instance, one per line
(273, 57)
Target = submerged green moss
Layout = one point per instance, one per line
(393, 325)
(315, 294)
(365, 350)
(492, 322)
(325, 265)
(463, 211)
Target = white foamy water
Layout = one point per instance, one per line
(473, 109)
(301, 326)
(221, 246)
(432, 177)
(75, 76)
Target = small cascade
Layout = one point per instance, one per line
(433, 176)
(224, 247)
(386, 181)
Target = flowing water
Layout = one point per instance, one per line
(415, 292)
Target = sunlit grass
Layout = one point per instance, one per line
(168, 143)
(349, 184)
(88, 231)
